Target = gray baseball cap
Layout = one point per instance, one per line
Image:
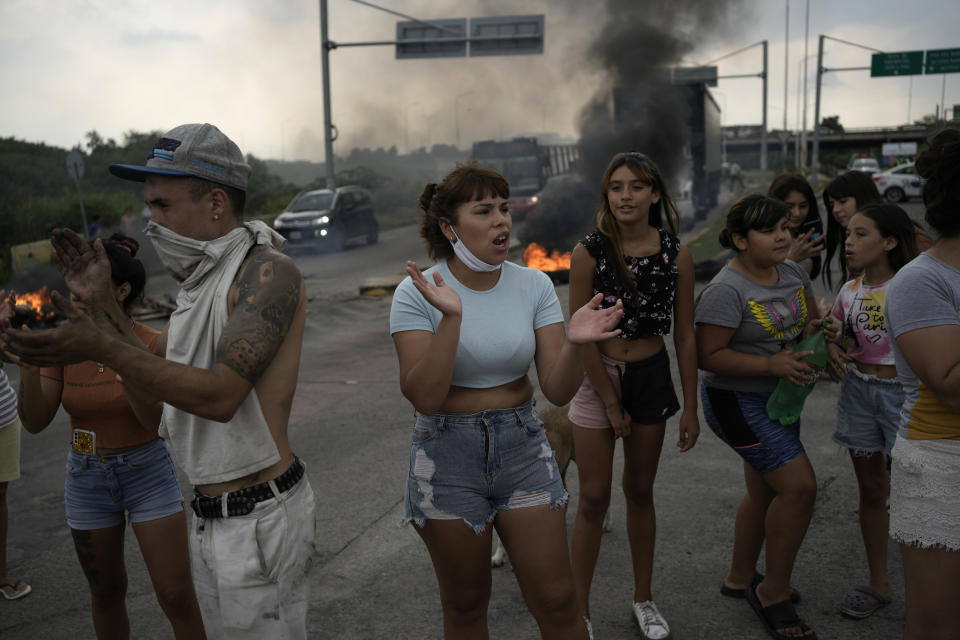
(199, 150)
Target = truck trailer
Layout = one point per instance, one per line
(527, 165)
(700, 179)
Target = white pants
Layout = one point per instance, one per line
(251, 572)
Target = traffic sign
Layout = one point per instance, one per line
(943, 60)
(902, 63)
(508, 35)
(694, 75)
(75, 169)
(436, 39)
(75, 164)
(496, 36)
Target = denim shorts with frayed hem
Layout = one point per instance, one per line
(740, 419)
(868, 412)
(469, 466)
(101, 490)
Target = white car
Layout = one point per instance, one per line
(899, 183)
(868, 166)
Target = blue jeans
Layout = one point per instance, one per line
(468, 466)
(100, 490)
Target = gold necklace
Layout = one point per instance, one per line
(133, 325)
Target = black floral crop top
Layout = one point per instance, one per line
(647, 312)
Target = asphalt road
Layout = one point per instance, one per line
(373, 579)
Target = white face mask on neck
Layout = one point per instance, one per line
(466, 256)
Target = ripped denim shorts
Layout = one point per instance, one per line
(468, 466)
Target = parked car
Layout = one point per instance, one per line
(867, 165)
(328, 218)
(899, 183)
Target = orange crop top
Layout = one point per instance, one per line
(95, 400)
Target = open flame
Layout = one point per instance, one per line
(536, 257)
(34, 307)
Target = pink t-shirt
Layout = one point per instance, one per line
(859, 309)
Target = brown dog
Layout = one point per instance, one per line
(559, 432)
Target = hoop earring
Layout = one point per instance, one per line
(216, 216)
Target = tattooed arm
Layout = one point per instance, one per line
(264, 299)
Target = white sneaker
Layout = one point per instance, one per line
(651, 623)
(586, 621)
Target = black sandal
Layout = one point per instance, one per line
(780, 615)
(740, 594)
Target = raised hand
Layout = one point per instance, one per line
(437, 292)
(591, 324)
(76, 340)
(85, 268)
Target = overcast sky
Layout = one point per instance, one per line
(253, 68)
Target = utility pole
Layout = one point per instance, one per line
(806, 75)
(327, 123)
(786, 73)
(763, 133)
(815, 165)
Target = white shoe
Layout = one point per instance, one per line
(589, 627)
(651, 623)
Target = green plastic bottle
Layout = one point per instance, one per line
(786, 401)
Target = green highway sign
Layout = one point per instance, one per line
(943, 61)
(903, 63)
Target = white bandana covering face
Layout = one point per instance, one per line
(182, 255)
(471, 261)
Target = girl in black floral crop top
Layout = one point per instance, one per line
(627, 390)
(648, 300)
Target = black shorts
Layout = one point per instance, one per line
(646, 389)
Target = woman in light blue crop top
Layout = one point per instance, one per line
(466, 331)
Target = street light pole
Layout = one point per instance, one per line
(283, 138)
(406, 124)
(456, 114)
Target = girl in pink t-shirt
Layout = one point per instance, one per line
(880, 239)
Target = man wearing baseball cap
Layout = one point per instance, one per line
(225, 370)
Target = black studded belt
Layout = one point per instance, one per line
(242, 501)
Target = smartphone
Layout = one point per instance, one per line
(817, 227)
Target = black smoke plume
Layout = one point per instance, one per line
(633, 51)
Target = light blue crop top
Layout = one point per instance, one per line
(497, 341)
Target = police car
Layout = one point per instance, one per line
(899, 183)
